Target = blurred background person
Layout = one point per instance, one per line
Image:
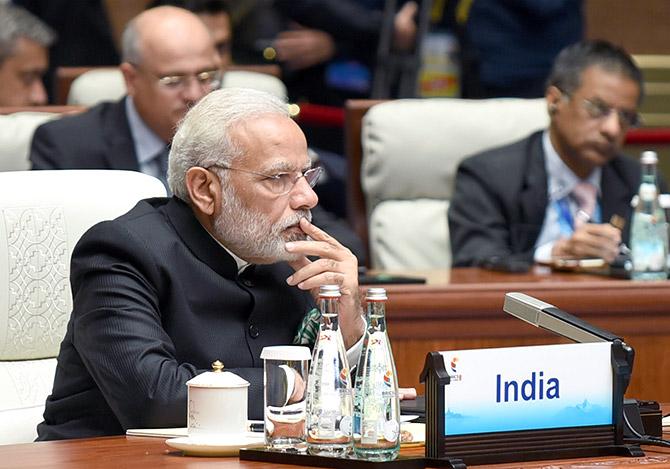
(24, 48)
(326, 48)
(216, 16)
(169, 64)
(552, 194)
(507, 47)
(84, 34)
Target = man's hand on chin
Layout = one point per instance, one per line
(336, 266)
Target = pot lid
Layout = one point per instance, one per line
(217, 378)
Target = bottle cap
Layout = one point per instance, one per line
(332, 291)
(649, 157)
(376, 294)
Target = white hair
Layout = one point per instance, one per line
(203, 136)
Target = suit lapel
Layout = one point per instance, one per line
(120, 146)
(616, 195)
(533, 193)
(532, 201)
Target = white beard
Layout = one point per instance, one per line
(250, 235)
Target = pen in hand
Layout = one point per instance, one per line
(617, 221)
(582, 217)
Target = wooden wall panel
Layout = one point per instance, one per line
(640, 26)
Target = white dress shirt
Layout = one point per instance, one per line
(561, 181)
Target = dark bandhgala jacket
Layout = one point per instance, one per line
(156, 301)
(500, 199)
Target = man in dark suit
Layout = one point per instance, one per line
(218, 271)
(553, 193)
(170, 63)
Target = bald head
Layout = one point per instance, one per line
(161, 28)
(168, 55)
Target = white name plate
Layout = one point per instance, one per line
(528, 388)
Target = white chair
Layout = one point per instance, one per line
(411, 150)
(254, 80)
(97, 85)
(16, 133)
(42, 216)
(106, 84)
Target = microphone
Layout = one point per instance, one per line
(548, 317)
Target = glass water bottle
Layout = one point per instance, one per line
(649, 231)
(376, 402)
(329, 396)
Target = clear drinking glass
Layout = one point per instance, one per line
(285, 371)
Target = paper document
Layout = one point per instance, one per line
(158, 432)
(170, 432)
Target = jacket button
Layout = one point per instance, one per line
(247, 283)
(253, 331)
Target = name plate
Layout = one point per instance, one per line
(528, 388)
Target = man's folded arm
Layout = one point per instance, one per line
(119, 335)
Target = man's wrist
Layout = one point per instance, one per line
(355, 331)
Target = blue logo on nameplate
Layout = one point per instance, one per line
(528, 388)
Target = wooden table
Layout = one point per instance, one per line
(462, 309)
(122, 452)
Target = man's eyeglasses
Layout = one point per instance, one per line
(596, 109)
(280, 183)
(210, 79)
(600, 110)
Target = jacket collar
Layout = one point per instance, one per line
(198, 240)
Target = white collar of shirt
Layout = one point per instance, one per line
(147, 143)
(561, 179)
(241, 263)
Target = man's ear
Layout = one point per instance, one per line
(129, 76)
(204, 190)
(553, 96)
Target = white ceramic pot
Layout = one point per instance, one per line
(217, 403)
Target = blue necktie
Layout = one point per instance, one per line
(161, 165)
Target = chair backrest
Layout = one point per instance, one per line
(66, 75)
(97, 85)
(16, 133)
(256, 81)
(107, 84)
(411, 150)
(42, 216)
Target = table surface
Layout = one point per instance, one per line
(481, 291)
(453, 300)
(144, 452)
(462, 309)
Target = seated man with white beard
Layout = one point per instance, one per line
(218, 271)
